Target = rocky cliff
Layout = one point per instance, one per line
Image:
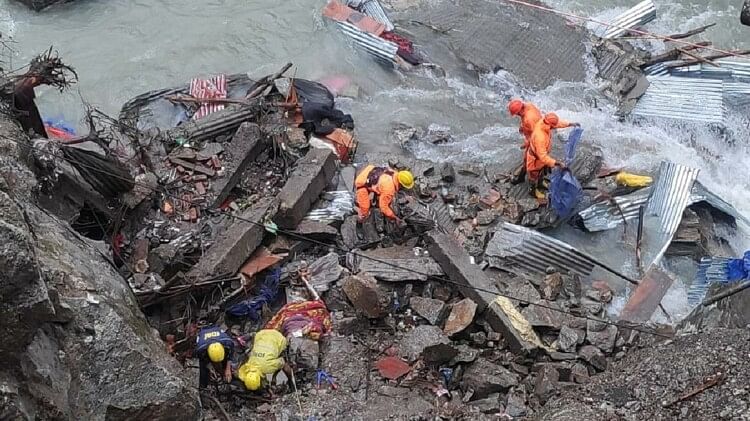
(73, 342)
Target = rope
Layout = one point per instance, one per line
(635, 327)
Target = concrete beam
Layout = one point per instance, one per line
(236, 243)
(308, 180)
(474, 284)
(244, 148)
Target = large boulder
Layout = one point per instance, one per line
(74, 343)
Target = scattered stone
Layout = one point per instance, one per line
(304, 352)
(572, 286)
(546, 383)
(502, 315)
(579, 373)
(392, 368)
(466, 354)
(543, 316)
(605, 292)
(421, 337)
(592, 307)
(349, 232)
(524, 290)
(461, 316)
(479, 338)
(488, 405)
(486, 217)
(516, 406)
(494, 336)
(365, 295)
(447, 173)
(350, 325)
(603, 338)
(393, 391)
(568, 339)
(486, 378)
(212, 149)
(551, 286)
(437, 291)
(593, 356)
(439, 354)
(430, 309)
(562, 356)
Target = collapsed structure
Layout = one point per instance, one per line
(236, 192)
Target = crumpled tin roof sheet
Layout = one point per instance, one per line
(669, 197)
(609, 215)
(514, 245)
(375, 46)
(639, 15)
(683, 98)
(341, 205)
(373, 9)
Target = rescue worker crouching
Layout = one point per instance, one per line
(384, 183)
(214, 349)
(265, 358)
(537, 157)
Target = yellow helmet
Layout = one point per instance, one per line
(406, 179)
(216, 352)
(252, 378)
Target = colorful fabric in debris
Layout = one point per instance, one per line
(251, 308)
(310, 317)
(214, 88)
(405, 47)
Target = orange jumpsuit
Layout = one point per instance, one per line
(529, 117)
(385, 189)
(537, 151)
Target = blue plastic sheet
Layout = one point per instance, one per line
(251, 308)
(565, 192)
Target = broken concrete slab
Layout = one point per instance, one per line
(546, 314)
(398, 264)
(244, 148)
(308, 180)
(421, 337)
(365, 295)
(486, 378)
(304, 352)
(325, 271)
(240, 239)
(461, 316)
(317, 231)
(430, 309)
(474, 284)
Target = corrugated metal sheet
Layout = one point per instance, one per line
(669, 197)
(373, 9)
(711, 270)
(683, 98)
(671, 194)
(513, 245)
(340, 206)
(608, 215)
(639, 15)
(375, 46)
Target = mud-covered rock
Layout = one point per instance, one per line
(485, 378)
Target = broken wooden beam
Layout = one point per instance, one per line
(501, 314)
(244, 148)
(647, 297)
(308, 180)
(237, 242)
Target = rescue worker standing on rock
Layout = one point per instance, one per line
(265, 358)
(214, 349)
(538, 161)
(385, 184)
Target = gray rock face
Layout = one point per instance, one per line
(486, 378)
(602, 336)
(421, 337)
(74, 342)
(568, 339)
(432, 310)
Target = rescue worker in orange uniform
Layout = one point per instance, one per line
(538, 160)
(385, 184)
(530, 115)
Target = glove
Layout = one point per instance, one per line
(575, 125)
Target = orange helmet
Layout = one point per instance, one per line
(515, 107)
(551, 119)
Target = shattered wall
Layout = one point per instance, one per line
(74, 342)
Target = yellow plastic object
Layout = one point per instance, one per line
(633, 180)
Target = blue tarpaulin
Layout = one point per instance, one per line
(252, 307)
(565, 191)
